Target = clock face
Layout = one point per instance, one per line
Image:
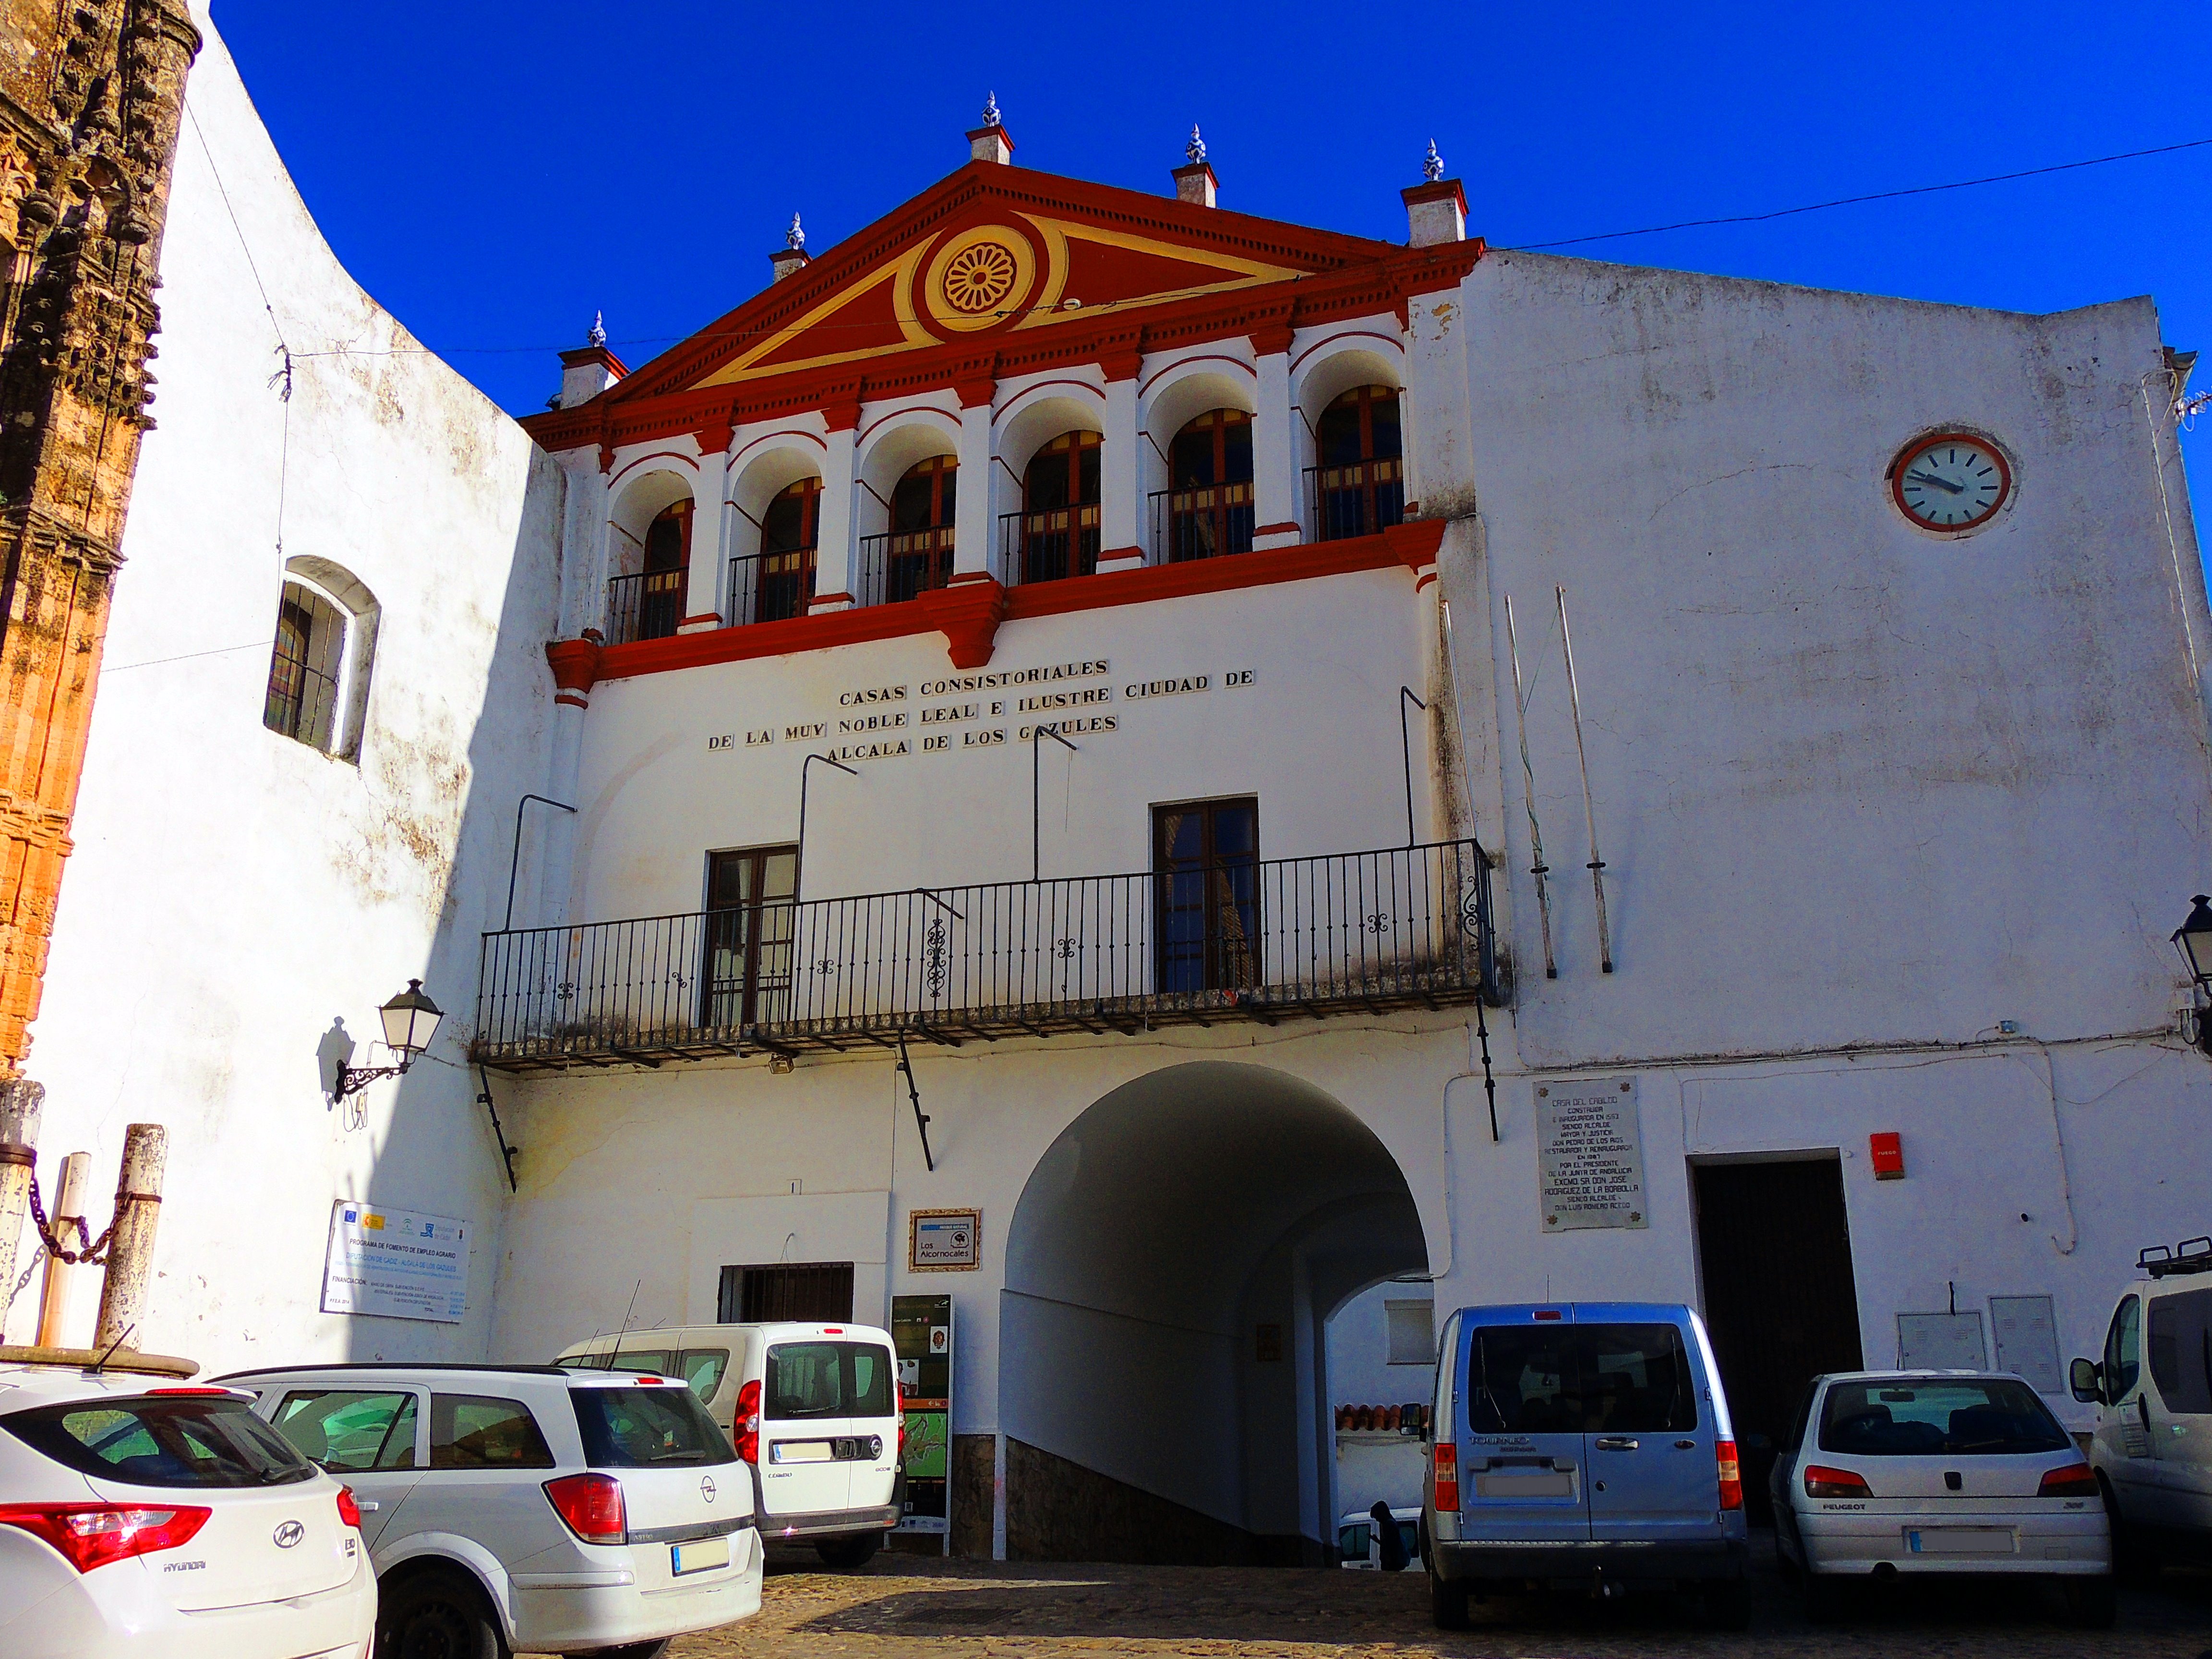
(1953, 481)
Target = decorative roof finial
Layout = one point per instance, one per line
(1432, 168)
(1195, 149)
(598, 337)
(795, 238)
(991, 110)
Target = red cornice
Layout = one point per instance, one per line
(970, 614)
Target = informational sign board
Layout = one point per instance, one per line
(395, 1264)
(2026, 1329)
(944, 1241)
(1941, 1342)
(1590, 1154)
(921, 1333)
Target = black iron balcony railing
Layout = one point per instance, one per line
(898, 567)
(1404, 927)
(1201, 523)
(1357, 500)
(646, 606)
(1043, 547)
(769, 586)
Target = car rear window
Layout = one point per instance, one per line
(153, 1442)
(646, 1427)
(1937, 1416)
(1580, 1379)
(828, 1379)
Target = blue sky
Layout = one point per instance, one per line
(494, 172)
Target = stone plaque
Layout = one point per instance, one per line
(1590, 1154)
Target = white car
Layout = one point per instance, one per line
(1358, 1547)
(529, 1507)
(1891, 1473)
(140, 1517)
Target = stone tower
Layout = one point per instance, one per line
(91, 95)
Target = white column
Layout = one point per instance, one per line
(1274, 449)
(584, 536)
(554, 830)
(973, 525)
(838, 551)
(1439, 442)
(1125, 539)
(710, 548)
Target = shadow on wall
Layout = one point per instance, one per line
(1170, 1268)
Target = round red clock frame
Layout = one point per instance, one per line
(1919, 447)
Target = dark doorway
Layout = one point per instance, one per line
(805, 1292)
(751, 900)
(1780, 1300)
(1207, 855)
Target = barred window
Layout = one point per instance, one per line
(302, 701)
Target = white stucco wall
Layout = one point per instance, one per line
(233, 892)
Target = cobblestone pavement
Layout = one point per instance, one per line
(903, 1605)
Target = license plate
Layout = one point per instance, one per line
(803, 1451)
(1958, 1541)
(1537, 1482)
(698, 1555)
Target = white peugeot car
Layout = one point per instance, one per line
(1889, 1474)
(526, 1506)
(139, 1517)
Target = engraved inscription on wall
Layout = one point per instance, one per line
(1590, 1154)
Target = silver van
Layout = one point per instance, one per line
(1582, 1446)
(813, 1409)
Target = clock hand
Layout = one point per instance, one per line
(1940, 484)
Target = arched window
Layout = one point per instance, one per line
(649, 605)
(783, 575)
(919, 555)
(1058, 524)
(318, 689)
(1209, 500)
(1359, 486)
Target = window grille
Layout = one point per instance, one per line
(805, 1293)
(302, 697)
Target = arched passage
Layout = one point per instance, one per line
(1170, 1268)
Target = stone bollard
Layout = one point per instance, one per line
(66, 1213)
(22, 1102)
(138, 1214)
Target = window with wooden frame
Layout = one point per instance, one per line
(1209, 500)
(1060, 517)
(303, 695)
(752, 903)
(1206, 865)
(649, 605)
(783, 574)
(918, 556)
(1360, 485)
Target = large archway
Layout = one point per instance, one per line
(1170, 1268)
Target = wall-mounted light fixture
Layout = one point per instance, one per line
(410, 1020)
(2193, 939)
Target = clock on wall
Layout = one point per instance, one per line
(1951, 481)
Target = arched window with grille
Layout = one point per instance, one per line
(918, 551)
(649, 605)
(1207, 508)
(1360, 485)
(1056, 532)
(781, 582)
(317, 691)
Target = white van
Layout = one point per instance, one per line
(2153, 1389)
(814, 1409)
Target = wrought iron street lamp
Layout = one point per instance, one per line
(2193, 939)
(410, 1020)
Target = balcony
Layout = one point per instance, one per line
(1357, 499)
(1049, 545)
(1203, 522)
(770, 586)
(897, 567)
(1266, 940)
(646, 606)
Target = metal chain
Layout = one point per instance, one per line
(94, 1252)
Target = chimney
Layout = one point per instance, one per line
(1195, 180)
(791, 259)
(587, 373)
(991, 142)
(1435, 209)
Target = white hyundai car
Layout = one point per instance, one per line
(140, 1517)
(1905, 1474)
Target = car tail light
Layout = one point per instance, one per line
(747, 1422)
(1549, 1313)
(93, 1535)
(349, 1511)
(1444, 1477)
(2074, 1480)
(1821, 1481)
(1731, 1474)
(592, 1505)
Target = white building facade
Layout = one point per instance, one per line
(1035, 726)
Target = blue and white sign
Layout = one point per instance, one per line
(395, 1264)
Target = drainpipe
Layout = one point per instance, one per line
(22, 1103)
(138, 1214)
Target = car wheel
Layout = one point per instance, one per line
(1727, 1604)
(843, 1554)
(2092, 1603)
(438, 1614)
(1447, 1604)
(1824, 1598)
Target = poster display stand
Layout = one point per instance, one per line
(921, 1333)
